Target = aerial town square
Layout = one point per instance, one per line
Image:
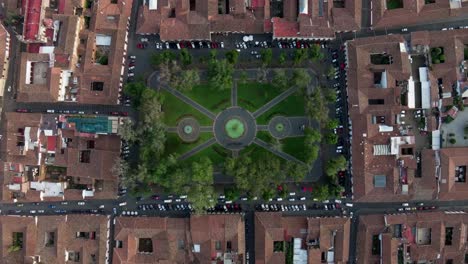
(234, 131)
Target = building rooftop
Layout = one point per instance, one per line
(382, 146)
(196, 20)
(416, 12)
(199, 239)
(425, 236)
(317, 239)
(54, 239)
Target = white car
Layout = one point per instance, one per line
(9, 88)
(32, 211)
(404, 30)
(81, 203)
(41, 211)
(167, 45)
(130, 74)
(405, 204)
(222, 45)
(279, 199)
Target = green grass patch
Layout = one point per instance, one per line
(175, 145)
(253, 95)
(216, 153)
(265, 136)
(294, 146)
(215, 101)
(291, 106)
(174, 109)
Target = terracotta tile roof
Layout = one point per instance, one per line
(166, 234)
(413, 226)
(414, 12)
(270, 227)
(47, 91)
(367, 140)
(32, 19)
(207, 230)
(15, 132)
(450, 159)
(89, 71)
(4, 48)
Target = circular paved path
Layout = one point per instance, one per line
(279, 122)
(244, 116)
(188, 135)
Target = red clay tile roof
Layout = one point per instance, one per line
(361, 88)
(270, 227)
(32, 19)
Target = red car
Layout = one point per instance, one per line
(23, 110)
(342, 66)
(140, 45)
(115, 113)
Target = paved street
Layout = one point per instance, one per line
(126, 203)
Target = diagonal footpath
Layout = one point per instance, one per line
(198, 148)
(234, 94)
(278, 99)
(190, 102)
(281, 154)
(171, 129)
(206, 129)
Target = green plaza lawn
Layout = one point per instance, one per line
(253, 95)
(216, 153)
(215, 101)
(174, 109)
(175, 145)
(294, 146)
(291, 106)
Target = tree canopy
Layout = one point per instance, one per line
(220, 74)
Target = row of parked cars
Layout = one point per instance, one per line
(224, 208)
(165, 207)
(145, 43)
(280, 207)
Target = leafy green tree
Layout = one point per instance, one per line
(315, 54)
(312, 154)
(282, 58)
(321, 192)
(332, 123)
(185, 80)
(268, 194)
(220, 75)
(331, 72)
(213, 55)
(255, 176)
(299, 56)
(267, 56)
(135, 90)
(334, 165)
(300, 78)
(262, 74)
(296, 171)
(232, 193)
(157, 59)
(280, 80)
(329, 95)
(331, 138)
(126, 131)
(185, 57)
(232, 56)
(312, 136)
